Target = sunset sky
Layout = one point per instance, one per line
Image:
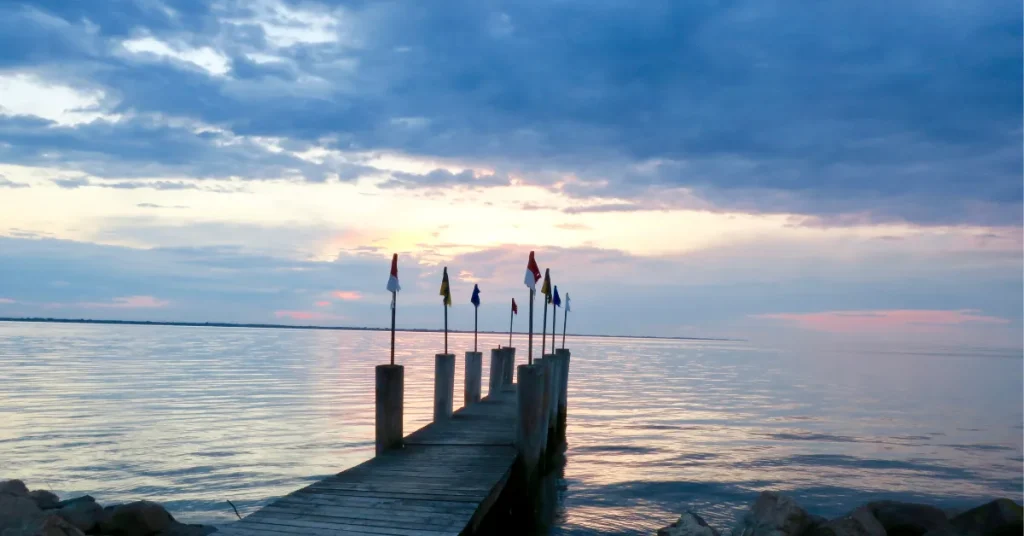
(713, 168)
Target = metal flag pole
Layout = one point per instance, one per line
(554, 318)
(476, 315)
(565, 320)
(511, 313)
(445, 305)
(529, 352)
(394, 300)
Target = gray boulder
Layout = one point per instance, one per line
(1001, 517)
(908, 519)
(774, 515)
(688, 524)
(82, 512)
(51, 525)
(44, 499)
(181, 529)
(860, 522)
(18, 511)
(140, 518)
(13, 487)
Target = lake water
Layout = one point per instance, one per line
(192, 417)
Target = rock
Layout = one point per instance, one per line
(1001, 517)
(140, 518)
(773, 515)
(82, 512)
(860, 522)
(181, 529)
(688, 524)
(51, 525)
(13, 487)
(18, 511)
(44, 499)
(908, 519)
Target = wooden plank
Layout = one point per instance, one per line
(441, 482)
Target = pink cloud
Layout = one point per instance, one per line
(347, 295)
(6, 300)
(128, 302)
(921, 320)
(322, 304)
(306, 315)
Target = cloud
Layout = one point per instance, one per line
(322, 304)
(605, 207)
(573, 227)
(83, 182)
(443, 178)
(154, 205)
(73, 183)
(347, 295)
(884, 320)
(853, 110)
(7, 183)
(6, 301)
(127, 302)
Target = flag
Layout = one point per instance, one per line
(393, 285)
(546, 288)
(556, 300)
(475, 300)
(567, 309)
(515, 310)
(532, 273)
(445, 291)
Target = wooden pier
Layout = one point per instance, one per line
(443, 480)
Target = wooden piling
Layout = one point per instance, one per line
(563, 355)
(497, 371)
(444, 386)
(510, 366)
(472, 382)
(390, 397)
(531, 427)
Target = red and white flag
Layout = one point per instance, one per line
(532, 273)
(393, 285)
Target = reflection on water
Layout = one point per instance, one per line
(193, 417)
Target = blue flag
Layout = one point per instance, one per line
(556, 300)
(475, 300)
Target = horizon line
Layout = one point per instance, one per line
(48, 320)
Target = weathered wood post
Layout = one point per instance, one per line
(551, 403)
(547, 374)
(563, 392)
(444, 386)
(474, 364)
(497, 371)
(530, 425)
(510, 366)
(390, 399)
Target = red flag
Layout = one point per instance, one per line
(393, 280)
(515, 310)
(532, 273)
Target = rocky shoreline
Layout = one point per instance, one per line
(42, 513)
(777, 515)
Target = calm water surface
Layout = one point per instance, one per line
(192, 417)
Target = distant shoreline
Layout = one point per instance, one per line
(334, 328)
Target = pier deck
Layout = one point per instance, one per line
(442, 482)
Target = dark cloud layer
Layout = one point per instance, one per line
(908, 110)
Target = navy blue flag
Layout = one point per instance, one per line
(475, 300)
(556, 300)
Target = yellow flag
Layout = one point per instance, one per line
(445, 291)
(546, 288)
